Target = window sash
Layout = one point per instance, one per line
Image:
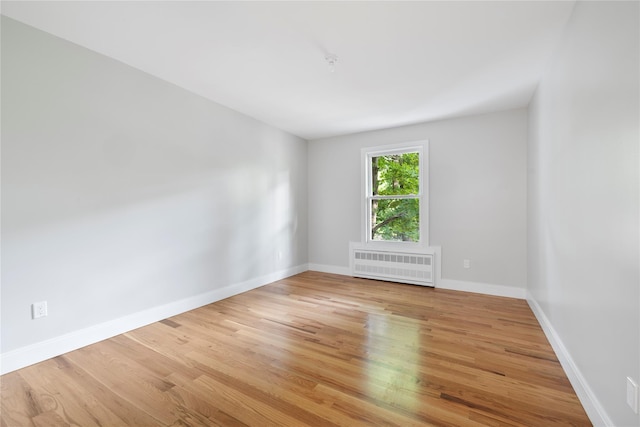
(405, 216)
(369, 169)
(420, 147)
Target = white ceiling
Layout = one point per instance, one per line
(398, 62)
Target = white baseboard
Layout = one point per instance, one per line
(483, 288)
(591, 404)
(323, 268)
(38, 352)
(455, 285)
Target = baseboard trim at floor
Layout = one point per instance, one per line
(455, 285)
(483, 288)
(590, 403)
(323, 268)
(38, 352)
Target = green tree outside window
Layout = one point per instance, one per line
(395, 203)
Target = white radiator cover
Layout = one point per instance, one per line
(415, 268)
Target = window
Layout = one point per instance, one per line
(395, 194)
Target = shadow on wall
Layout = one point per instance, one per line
(209, 232)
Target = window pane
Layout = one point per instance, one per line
(395, 174)
(395, 220)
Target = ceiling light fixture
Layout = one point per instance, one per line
(331, 59)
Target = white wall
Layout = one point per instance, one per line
(122, 192)
(477, 197)
(583, 204)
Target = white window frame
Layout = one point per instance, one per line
(421, 147)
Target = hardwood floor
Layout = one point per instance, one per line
(311, 350)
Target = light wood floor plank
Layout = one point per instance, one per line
(312, 350)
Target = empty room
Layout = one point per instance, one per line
(331, 213)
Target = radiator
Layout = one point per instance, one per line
(402, 267)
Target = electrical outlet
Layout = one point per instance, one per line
(632, 394)
(466, 263)
(39, 309)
